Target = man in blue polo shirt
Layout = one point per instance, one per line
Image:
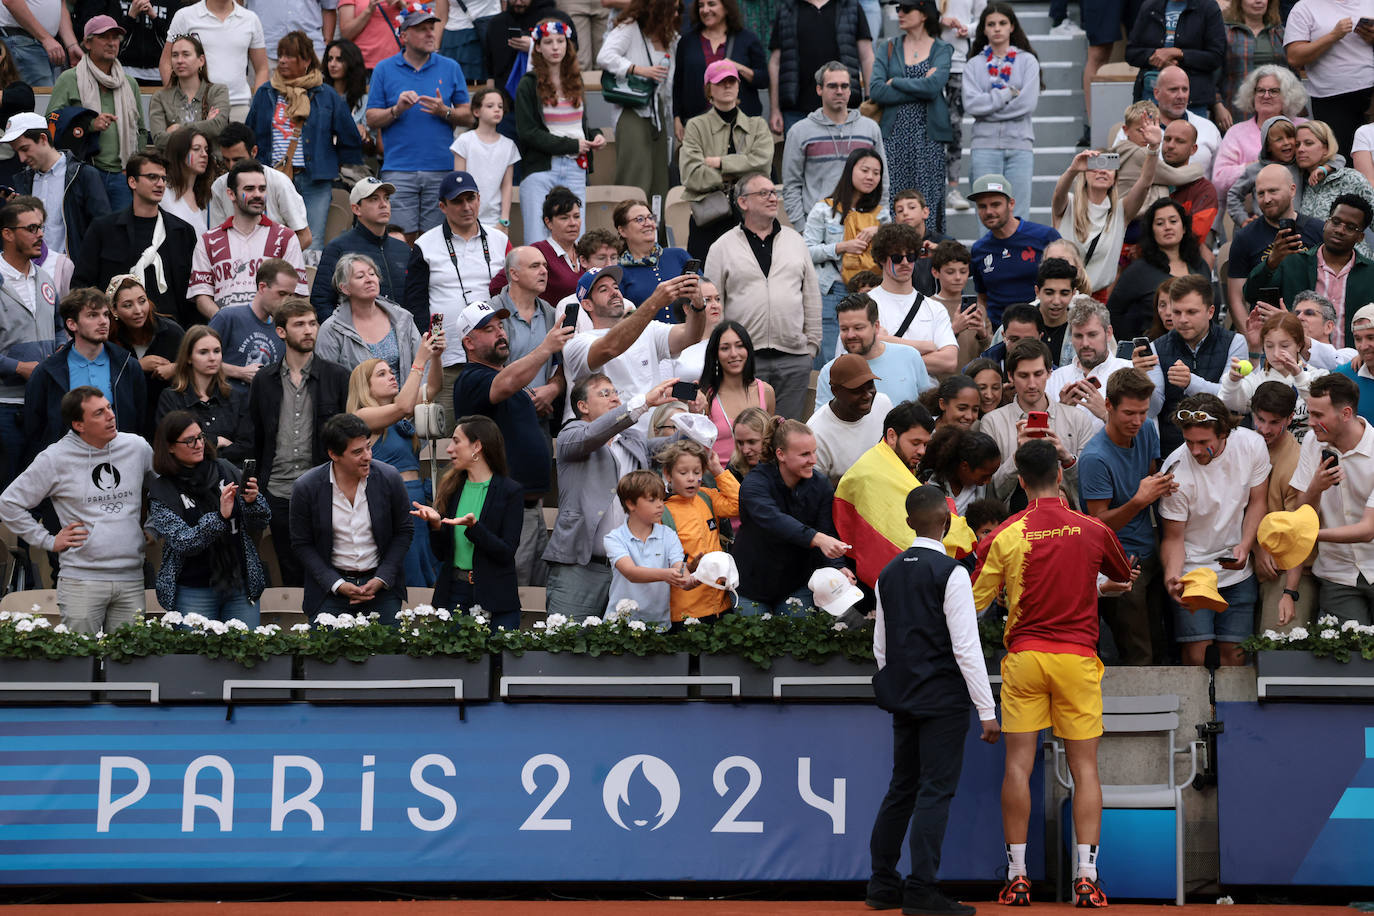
(1006, 259)
(416, 99)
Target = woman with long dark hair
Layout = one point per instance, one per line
(347, 75)
(205, 513)
(728, 383)
(199, 385)
(551, 118)
(190, 99)
(190, 173)
(954, 402)
(1168, 248)
(641, 44)
(838, 233)
(1001, 88)
(960, 462)
(474, 525)
(154, 341)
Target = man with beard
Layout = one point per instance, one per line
(900, 372)
(845, 427)
(144, 241)
(1083, 381)
(1333, 269)
(1274, 193)
(1117, 484)
(1198, 197)
(631, 350)
(225, 262)
(491, 385)
(1006, 259)
(288, 403)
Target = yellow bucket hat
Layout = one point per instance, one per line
(1289, 536)
(1200, 591)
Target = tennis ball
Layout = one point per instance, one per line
(1244, 368)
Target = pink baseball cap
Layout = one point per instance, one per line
(721, 70)
(99, 25)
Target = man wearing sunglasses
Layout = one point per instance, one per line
(906, 315)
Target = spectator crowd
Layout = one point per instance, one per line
(208, 383)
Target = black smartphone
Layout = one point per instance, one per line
(1135, 561)
(1330, 455)
(514, 31)
(1140, 343)
(1291, 225)
(570, 315)
(692, 267)
(967, 302)
(686, 392)
(6, 191)
(1229, 560)
(1269, 295)
(250, 469)
(436, 324)
(1364, 23)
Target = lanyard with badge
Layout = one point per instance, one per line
(452, 256)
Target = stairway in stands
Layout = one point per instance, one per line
(1058, 119)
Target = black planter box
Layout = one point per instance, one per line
(20, 670)
(195, 678)
(476, 677)
(569, 664)
(1320, 674)
(757, 683)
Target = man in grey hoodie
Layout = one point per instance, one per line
(817, 146)
(94, 476)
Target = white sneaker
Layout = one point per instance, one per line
(955, 201)
(1067, 29)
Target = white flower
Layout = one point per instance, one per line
(591, 621)
(172, 618)
(218, 627)
(235, 624)
(1365, 630)
(1226, 901)
(840, 626)
(4, 616)
(1350, 625)
(270, 629)
(1328, 633)
(443, 614)
(36, 609)
(765, 616)
(476, 610)
(554, 621)
(414, 632)
(99, 634)
(300, 627)
(1328, 620)
(479, 618)
(793, 602)
(539, 624)
(61, 628)
(1273, 634)
(1297, 634)
(691, 621)
(42, 623)
(24, 626)
(195, 620)
(638, 625)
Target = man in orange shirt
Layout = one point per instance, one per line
(1048, 558)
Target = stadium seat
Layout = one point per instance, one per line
(516, 230)
(151, 606)
(677, 214)
(603, 161)
(340, 216)
(602, 201)
(44, 598)
(284, 619)
(418, 594)
(282, 599)
(532, 598)
(550, 516)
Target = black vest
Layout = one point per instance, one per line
(793, 92)
(1209, 363)
(921, 676)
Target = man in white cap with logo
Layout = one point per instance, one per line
(72, 191)
(370, 201)
(1007, 258)
(492, 386)
(930, 671)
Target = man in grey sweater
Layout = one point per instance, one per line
(94, 476)
(817, 146)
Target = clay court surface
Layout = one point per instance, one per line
(613, 908)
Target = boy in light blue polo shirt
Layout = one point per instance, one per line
(646, 556)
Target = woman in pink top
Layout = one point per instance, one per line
(371, 25)
(728, 383)
(1268, 91)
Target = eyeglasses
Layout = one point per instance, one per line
(1267, 92)
(192, 441)
(642, 220)
(670, 427)
(1195, 416)
(766, 193)
(604, 393)
(33, 228)
(155, 178)
(1308, 313)
(911, 256)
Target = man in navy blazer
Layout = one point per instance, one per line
(351, 527)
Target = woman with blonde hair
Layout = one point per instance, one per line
(749, 429)
(1325, 180)
(1089, 210)
(388, 409)
(199, 385)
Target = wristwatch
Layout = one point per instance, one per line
(1291, 593)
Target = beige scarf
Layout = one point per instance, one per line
(296, 93)
(90, 80)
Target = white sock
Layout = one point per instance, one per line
(1087, 861)
(1016, 860)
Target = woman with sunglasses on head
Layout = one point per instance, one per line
(645, 262)
(190, 100)
(199, 385)
(205, 513)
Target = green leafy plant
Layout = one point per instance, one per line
(616, 635)
(1329, 636)
(992, 629)
(420, 632)
(30, 636)
(195, 634)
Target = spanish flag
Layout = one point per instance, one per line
(870, 513)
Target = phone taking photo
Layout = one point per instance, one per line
(570, 314)
(686, 392)
(1140, 343)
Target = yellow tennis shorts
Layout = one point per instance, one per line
(1052, 689)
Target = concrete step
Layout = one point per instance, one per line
(1050, 161)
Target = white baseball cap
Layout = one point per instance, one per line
(717, 569)
(476, 315)
(833, 592)
(21, 124)
(699, 428)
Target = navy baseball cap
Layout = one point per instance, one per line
(456, 183)
(588, 280)
(418, 16)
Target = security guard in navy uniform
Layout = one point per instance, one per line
(930, 670)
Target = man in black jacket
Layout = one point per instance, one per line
(371, 203)
(71, 190)
(144, 241)
(930, 666)
(288, 403)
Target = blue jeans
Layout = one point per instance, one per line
(748, 607)
(1231, 625)
(116, 189)
(318, 195)
(415, 205)
(1015, 165)
(216, 605)
(562, 171)
(830, 322)
(32, 61)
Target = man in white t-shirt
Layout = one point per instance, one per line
(232, 35)
(1210, 520)
(852, 422)
(40, 39)
(630, 349)
(907, 317)
(1084, 381)
(1342, 490)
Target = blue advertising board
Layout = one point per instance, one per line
(1295, 793)
(110, 794)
